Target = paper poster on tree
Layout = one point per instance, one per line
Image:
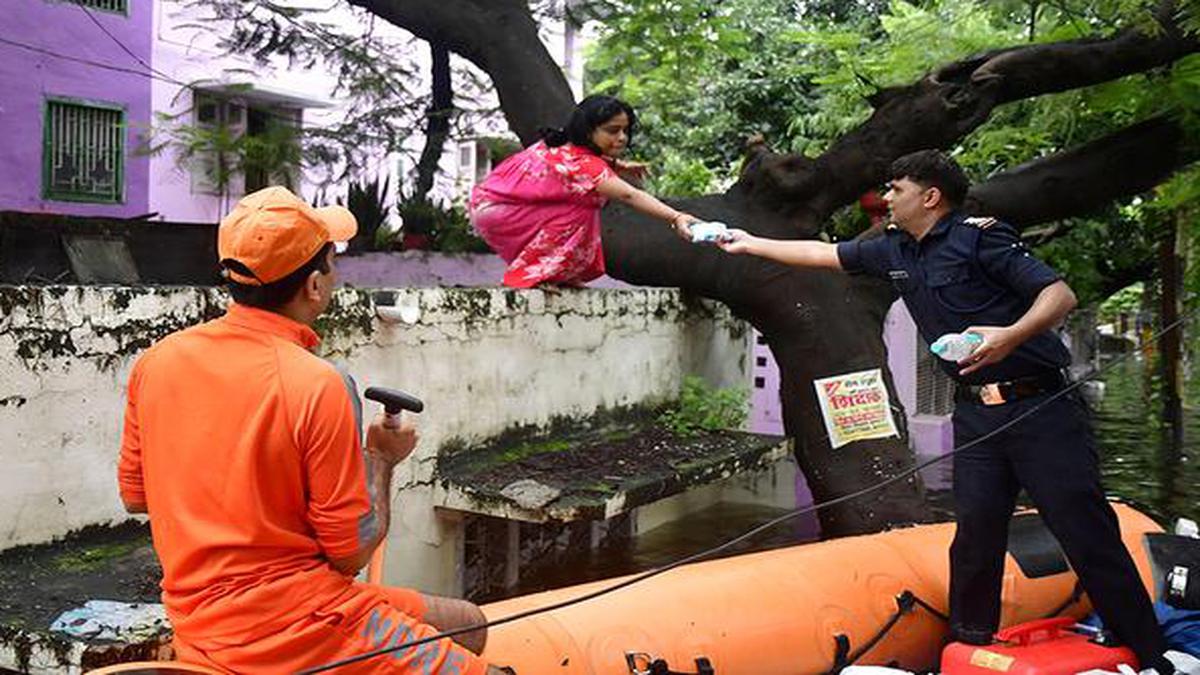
(855, 407)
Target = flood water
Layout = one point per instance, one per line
(1137, 465)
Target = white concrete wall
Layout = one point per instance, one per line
(482, 359)
(65, 354)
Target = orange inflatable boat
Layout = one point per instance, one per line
(787, 611)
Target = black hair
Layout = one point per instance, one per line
(931, 168)
(589, 114)
(278, 293)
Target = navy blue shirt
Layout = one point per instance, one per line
(964, 272)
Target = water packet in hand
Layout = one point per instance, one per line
(956, 346)
(709, 232)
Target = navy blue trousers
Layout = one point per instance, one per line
(1052, 455)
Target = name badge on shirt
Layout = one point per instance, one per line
(899, 279)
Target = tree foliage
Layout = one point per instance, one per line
(704, 76)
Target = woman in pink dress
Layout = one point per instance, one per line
(540, 208)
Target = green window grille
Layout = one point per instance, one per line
(120, 6)
(83, 155)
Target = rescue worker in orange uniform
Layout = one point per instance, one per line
(245, 450)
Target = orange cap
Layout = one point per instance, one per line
(272, 232)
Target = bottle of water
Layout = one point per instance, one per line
(956, 346)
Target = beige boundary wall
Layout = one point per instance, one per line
(483, 359)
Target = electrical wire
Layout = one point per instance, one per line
(191, 87)
(77, 59)
(751, 533)
(124, 48)
(324, 36)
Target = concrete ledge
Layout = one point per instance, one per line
(38, 654)
(38, 583)
(594, 468)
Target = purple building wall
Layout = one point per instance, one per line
(66, 47)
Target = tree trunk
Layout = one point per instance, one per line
(499, 36)
(437, 122)
(817, 324)
(1170, 342)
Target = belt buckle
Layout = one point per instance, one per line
(990, 394)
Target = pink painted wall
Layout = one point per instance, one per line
(423, 268)
(900, 338)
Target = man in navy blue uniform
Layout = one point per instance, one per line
(958, 274)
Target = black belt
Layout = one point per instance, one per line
(996, 393)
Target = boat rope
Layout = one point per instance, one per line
(906, 602)
(753, 532)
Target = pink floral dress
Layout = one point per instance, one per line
(540, 211)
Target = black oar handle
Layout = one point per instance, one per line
(394, 400)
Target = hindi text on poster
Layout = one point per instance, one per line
(855, 407)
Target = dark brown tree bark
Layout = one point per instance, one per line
(820, 323)
(437, 122)
(1084, 179)
(1170, 343)
(499, 36)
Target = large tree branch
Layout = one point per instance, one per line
(943, 107)
(1118, 278)
(1083, 179)
(1023, 72)
(501, 38)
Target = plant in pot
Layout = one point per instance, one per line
(367, 200)
(456, 235)
(421, 218)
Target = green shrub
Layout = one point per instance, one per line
(367, 200)
(675, 176)
(703, 408)
(455, 234)
(499, 148)
(445, 229)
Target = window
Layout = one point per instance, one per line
(117, 6)
(271, 150)
(211, 163)
(83, 152)
(244, 145)
(483, 162)
(474, 163)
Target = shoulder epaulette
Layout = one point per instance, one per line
(982, 222)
